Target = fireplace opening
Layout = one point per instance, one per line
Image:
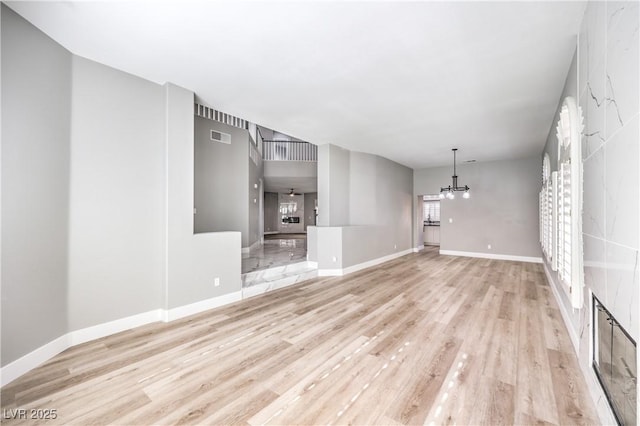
(614, 361)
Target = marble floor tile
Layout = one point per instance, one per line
(277, 250)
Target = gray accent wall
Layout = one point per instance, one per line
(333, 185)
(224, 182)
(221, 179)
(271, 214)
(193, 260)
(97, 198)
(117, 195)
(256, 172)
(502, 211)
(310, 199)
(365, 206)
(36, 144)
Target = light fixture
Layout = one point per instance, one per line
(449, 191)
(291, 194)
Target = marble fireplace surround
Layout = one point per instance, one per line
(605, 78)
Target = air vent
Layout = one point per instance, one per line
(221, 137)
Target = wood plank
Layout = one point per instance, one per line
(422, 338)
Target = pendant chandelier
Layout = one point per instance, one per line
(449, 191)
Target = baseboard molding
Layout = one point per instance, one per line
(17, 368)
(312, 264)
(573, 335)
(492, 256)
(23, 365)
(201, 306)
(270, 233)
(418, 249)
(363, 265)
(252, 247)
(112, 327)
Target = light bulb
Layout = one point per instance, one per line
(466, 194)
(451, 195)
(441, 195)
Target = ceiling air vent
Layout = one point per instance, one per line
(221, 137)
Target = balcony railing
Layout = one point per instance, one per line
(289, 151)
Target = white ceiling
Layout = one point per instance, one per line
(405, 80)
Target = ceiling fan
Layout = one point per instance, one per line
(292, 193)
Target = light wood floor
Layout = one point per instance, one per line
(422, 339)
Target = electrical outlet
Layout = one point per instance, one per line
(489, 246)
(395, 246)
(216, 282)
(335, 259)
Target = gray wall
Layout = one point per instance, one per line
(291, 169)
(193, 261)
(502, 210)
(367, 202)
(333, 185)
(97, 196)
(253, 201)
(222, 180)
(309, 209)
(36, 135)
(117, 195)
(271, 214)
(362, 189)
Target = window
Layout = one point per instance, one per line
(546, 210)
(569, 202)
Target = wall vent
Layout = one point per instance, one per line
(221, 137)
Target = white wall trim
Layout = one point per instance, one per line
(563, 310)
(270, 233)
(201, 306)
(312, 264)
(252, 247)
(492, 256)
(112, 327)
(418, 249)
(23, 365)
(330, 272)
(17, 368)
(363, 265)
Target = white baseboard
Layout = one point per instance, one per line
(330, 272)
(17, 368)
(312, 264)
(363, 265)
(22, 365)
(270, 233)
(573, 334)
(201, 306)
(417, 249)
(112, 327)
(492, 256)
(252, 247)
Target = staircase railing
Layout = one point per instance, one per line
(289, 151)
